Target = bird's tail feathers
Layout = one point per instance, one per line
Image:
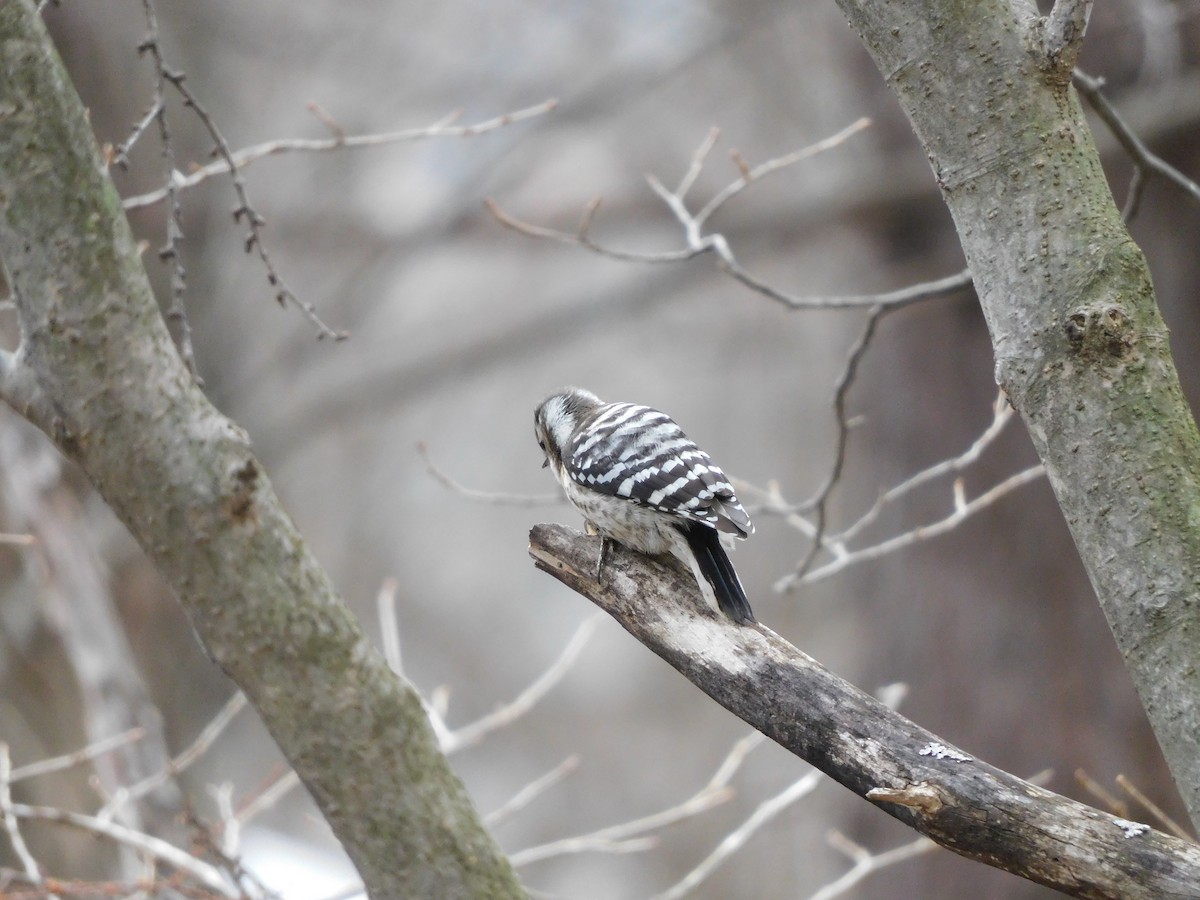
(714, 565)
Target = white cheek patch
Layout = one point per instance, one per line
(559, 423)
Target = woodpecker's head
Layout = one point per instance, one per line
(555, 421)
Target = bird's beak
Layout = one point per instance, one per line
(545, 462)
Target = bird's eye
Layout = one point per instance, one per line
(542, 444)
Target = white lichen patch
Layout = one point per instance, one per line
(941, 751)
(1131, 829)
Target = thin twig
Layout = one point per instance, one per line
(1002, 414)
(531, 791)
(230, 828)
(615, 839)
(240, 159)
(266, 799)
(698, 243)
(254, 222)
(698, 160)
(389, 624)
(581, 238)
(774, 165)
(1115, 805)
(208, 875)
(820, 499)
(88, 753)
(171, 251)
(737, 838)
(120, 154)
(865, 863)
(11, 826)
(963, 510)
(492, 497)
(1153, 808)
(182, 761)
(1144, 160)
(473, 733)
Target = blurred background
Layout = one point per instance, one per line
(460, 327)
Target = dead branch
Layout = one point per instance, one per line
(965, 805)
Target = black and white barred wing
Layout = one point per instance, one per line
(640, 454)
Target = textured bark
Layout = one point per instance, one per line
(1081, 349)
(965, 805)
(97, 372)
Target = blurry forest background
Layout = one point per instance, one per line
(460, 327)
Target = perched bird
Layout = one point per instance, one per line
(640, 481)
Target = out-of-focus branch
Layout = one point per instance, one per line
(905, 770)
(699, 243)
(867, 863)
(1145, 163)
(471, 734)
(962, 510)
(78, 757)
(180, 762)
(532, 791)
(627, 836)
(9, 818)
(736, 839)
(240, 159)
(501, 498)
(172, 250)
(818, 503)
(210, 876)
(837, 544)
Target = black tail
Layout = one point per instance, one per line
(718, 571)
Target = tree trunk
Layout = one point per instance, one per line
(97, 372)
(1081, 349)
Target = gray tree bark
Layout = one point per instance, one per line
(1081, 349)
(965, 805)
(97, 372)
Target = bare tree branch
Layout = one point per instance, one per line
(501, 498)
(532, 791)
(208, 875)
(736, 839)
(867, 863)
(818, 503)
(240, 159)
(78, 757)
(1062, 33)
(625, 837)
(962, 510)
(181, 761)
(967, 806)
(9, 818)
(471, 734)
(172, 250)
(1144, 161)
(699, 243)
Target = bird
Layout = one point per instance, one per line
(640, 481)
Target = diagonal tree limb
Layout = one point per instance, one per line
(965, 805)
